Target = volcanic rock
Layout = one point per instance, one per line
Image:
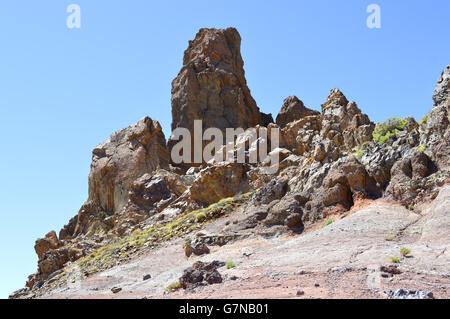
(293, 109)
(126, 156)
(211, 85)
(220, 181)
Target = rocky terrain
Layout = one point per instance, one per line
(355, 210)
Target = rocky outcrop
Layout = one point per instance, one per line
(343, 122)
(211, 85)
(293, 109)
(439, 116)
(339, 129)
(126, 156)
(438, 128)
(149, 195)
(43, 245)
(329, 161)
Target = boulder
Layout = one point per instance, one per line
(126, 156)
(201, 274)
(286, 212)
(273, 190)
(197, 247)
(55, 259)
(43, 245)
(220, 181)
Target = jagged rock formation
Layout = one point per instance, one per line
(126, 156)
(329, 162)
(339, 129)
(211, 85)
(293, 109)
(439, 117)
(149, 195)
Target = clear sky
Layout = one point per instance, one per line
(63, 91)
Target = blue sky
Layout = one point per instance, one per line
(63, 91)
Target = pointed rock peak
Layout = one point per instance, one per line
(293, 109)
(211, 85)
(292, 99)
(214, 45)
(336, 98)
(441, 92)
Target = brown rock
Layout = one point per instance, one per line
(344, 123)
(341, 128)
(201, 274)
(148, 195)
(55, 259)
(197, 248)
(439, 116)
(286, 212)
(293, 109)
(220, 181)
(211, 85)
(442, 152)
(126, 156)
(43, 245)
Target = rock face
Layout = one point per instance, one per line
(293, 109)
(211, 85)
(438, 128)
(220, 181)
(148, 195)
(126, 156)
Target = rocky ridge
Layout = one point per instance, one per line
(330, 161)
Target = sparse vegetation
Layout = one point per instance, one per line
(395, 260)
(201, 217)
(405, 251)
(107, 256)
(329, 222)
(360, 152)
(230, 265)
(174, 286)
(424, 120)
(411, 207)
(421, 148)
(388, 129)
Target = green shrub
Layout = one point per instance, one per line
(360, 152)
(201, 217)
(386, 130)
(410, 207)
(173, 286)
(405, 251)
(395, 260)
(230, 265)
(424, 120)
(329, 222)
(421, 148)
